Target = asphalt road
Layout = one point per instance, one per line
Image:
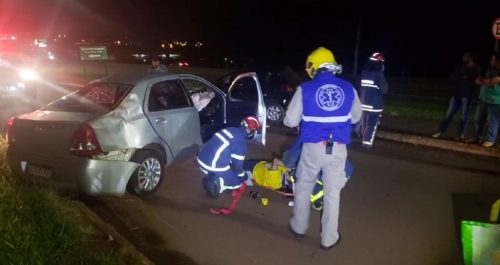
(403, 206)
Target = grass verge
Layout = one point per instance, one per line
(39, 227)
(429, 111)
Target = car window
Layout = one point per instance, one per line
(97, 97)
(167, 95)
(201, 94)
(244, 89)
(225, 82)
(194, 86)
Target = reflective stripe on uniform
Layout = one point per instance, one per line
(226, 132)
(368, 85)
(316, 196)
(327, 119)
(374, 131)
(225, 143)
(213, 169)
(223, 187)
(235, 156)
(372, 110)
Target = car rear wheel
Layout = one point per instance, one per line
(148, 177)
(275, 112)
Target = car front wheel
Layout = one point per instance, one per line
(147, 178)
(275, 112)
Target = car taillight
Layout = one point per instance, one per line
(85, 142)
(8, 133)
(287, 88)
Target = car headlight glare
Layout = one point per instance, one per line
(28, 74)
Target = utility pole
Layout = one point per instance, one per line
(356, 51)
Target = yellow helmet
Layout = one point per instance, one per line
(317, 58)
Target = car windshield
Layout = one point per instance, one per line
(98, 97)
(268, 80)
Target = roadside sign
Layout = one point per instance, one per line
(495, 29)
(90, 53)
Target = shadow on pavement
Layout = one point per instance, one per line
(247, 220)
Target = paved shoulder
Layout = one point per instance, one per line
(438, 143)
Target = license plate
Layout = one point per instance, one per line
(39, 171)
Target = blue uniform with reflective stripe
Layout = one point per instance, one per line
(223, 156)
(373, 88)
(327, 102)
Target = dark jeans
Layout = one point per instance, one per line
(456, 103)
(480, 118)
(493, 120)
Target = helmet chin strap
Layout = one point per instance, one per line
(251, 135)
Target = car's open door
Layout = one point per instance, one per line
(245, 98)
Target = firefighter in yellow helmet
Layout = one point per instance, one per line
(323, 59)
(324, 108)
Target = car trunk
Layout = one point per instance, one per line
(47, 133)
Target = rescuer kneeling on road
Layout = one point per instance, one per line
(325, 108)
(221, 160)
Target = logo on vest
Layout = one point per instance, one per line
(329, 97)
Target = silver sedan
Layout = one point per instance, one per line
(118, 133)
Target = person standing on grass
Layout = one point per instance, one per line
(490, 94)
(463, 78)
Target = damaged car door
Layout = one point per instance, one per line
(245, 98)
(173, 117)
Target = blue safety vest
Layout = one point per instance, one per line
(225, 150)
(327, 102)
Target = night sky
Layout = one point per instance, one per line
(418, 39)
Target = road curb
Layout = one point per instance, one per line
(125, 247)
(438, 143)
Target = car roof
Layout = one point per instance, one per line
(133, 78)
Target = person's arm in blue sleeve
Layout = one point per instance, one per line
(383, 85)
(238, 153)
